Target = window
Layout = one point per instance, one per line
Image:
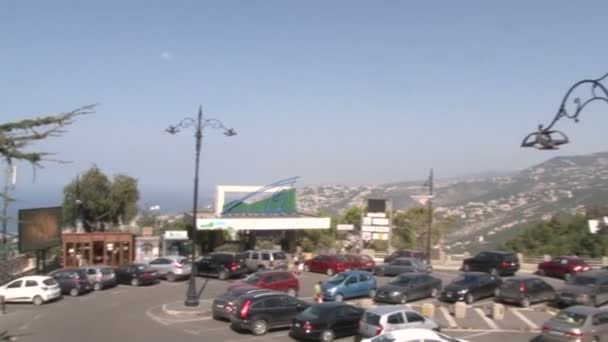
(281, 277)
(91, 271)
(265, 256)
(482, 256)
(413, 317)
(273, 302)
(352, 311)
(290, 301)
(14, 285)
(396, 318)
(320, 258)
(254, 256)
(30, 283)
(364, 277)
(49, 282)
(155, 261)
(279, 256)
(351, 280)
(340, 312)
(372, 319)
(600, 319)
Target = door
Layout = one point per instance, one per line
(339, 322)
(161, 265)
(319, 264)
(485, 286)
(600, 326)
(204, 265)
(367, 283)
(30, 289)
(253, 261)
(352, 287)
(420, 287)
(479, 261)
(269, 282)
(602, 291)
(396, 321)
(14, 292)
(290, 308)
(414, 320)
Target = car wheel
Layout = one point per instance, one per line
(372, 293)
(171, 277)
(541, 272)
(306, 268)
(292, 292)
(466, 268)
(493, 271)
(330, 272)
(468, 298)
(223, 275)
(524, 302)
(74, 292)
(595, 339)
(327, 336)
(97, 287)
(567, 276)
(434, 292)
(38, 300)
(403, 299)
(339, 298)
(259, 327)
(135, 282)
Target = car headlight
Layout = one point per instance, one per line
(332, 290)
(395, 294)
(463, 291)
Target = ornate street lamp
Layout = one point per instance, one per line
(546, 138)
(199, 126)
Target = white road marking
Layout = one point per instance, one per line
(448, 317)
(258, 338)
(193, 332)
(488, 321)
(525, 319)
(478, 334)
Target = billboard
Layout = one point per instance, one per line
(39, 228)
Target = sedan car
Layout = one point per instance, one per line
(576, 323)
(324, 322)
(562, 267)
(32, 289)
(413, 334)
(223, 304)
(349, 285)
(470, 286)
(136, 274)
(272, 280)
(72, 281)
(525, 291)
(172, 268)
(409, 286)
(361, 262)
(400, 265)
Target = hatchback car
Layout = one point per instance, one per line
(222, 265)
(413, 335)
(589, 288)
(361, 262)
(563, 267)
(32, 289)
(273, 280)
(324, 322)
(400, 265)
(223, 304)
(495, 263)
(383, 319)
(261, 312)
(72, 281)
(349, 284)
(328, 264)
(525, 291)
(470, 286)
(576, 323)
(136, 274)
(257, 260)
(101, 277)
(409, 286)
(172, 268)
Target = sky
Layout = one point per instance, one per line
(348, 92)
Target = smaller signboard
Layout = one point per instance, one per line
(366, 236)
(176, 235)
(380, 221)
(375, 229)
(345, 227)
(376, 215)
(367, 221)
(380, 236)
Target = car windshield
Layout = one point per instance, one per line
(107, 271)
(583, 281)
(49, 282)
(341, 258)
(465, 279)
(401, 280)
(571, 318)
(384, 338)
(337, 279)
(252, 278)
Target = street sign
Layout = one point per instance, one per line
(367, 221)
(380, 221)
(379, 236)
(375, 229)
(376, 215)
(366, 236)
(345, 227)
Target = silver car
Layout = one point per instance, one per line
(265, 260)
(172, 268)
(100, 276)
(387, 318)
(577, 323)
(401, 265)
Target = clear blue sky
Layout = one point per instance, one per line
(332, 91)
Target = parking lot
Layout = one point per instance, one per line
(126, 312)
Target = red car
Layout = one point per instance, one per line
(272, 280)
(361, 262)
(328, 264)
(563, 267)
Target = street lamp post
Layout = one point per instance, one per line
(200, 124)
(546, 138)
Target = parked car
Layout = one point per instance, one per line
(328, 264)
(72, 281)
(33, 289)
(361, 262)
(223, 304)
(413, 335)
(589, 288)
(324, 322)
(383, 319)
(563, 267)
(222, 265)
(470, 286)
(273, 280)
(260, 312)
(101, 277)
(525, 291)
(172, 268)
(409, 286)
(266, 260)
(404, 253)
(495, 263)
(136, 274)
(349, 284)
(576, 323)
(399, 266)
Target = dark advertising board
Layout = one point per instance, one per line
(39, 228)
(376, 206)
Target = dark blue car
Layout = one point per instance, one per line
(349, 284)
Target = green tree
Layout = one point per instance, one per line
(410, 228)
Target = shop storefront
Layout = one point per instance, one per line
(175, 242)
(103, 248)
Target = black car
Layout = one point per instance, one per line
(495, 263)
(324, 322)
(261, 312)
(404, 253)
(589, 288)
(72, 281)
(409, 286)
(136, 275)
(222, 305)
(525, 291)
(222, 265)
(470, 286)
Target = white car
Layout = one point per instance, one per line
(412, 335)
(34, 289)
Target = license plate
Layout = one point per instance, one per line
(219, 306)
(297, 325)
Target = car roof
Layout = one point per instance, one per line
(416, 333)
(270, 272)
(173, 257)
(407, 259)
(34, 277)
(522, 278)
(594, 273)
(266, 250)
(330, 305)
(263, 294)
(355, 272)
(413, 274)
(498, 252)
(388, 309)
(583, 309)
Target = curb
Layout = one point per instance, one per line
(185, 313)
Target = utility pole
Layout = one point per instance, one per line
(430, 213)
(9, 183)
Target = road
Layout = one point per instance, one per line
(125, 312)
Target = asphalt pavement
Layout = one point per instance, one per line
(124, 313)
